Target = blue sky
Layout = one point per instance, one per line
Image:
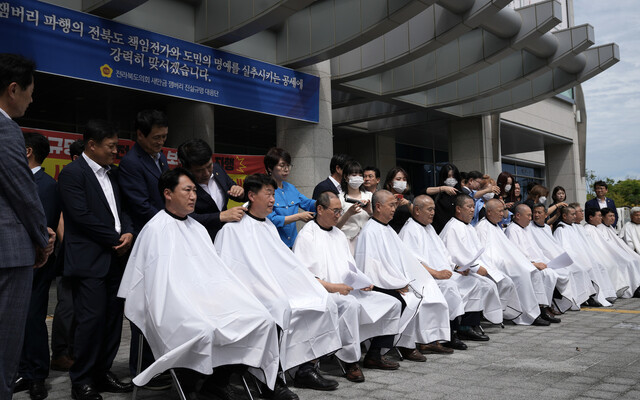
(613, 97)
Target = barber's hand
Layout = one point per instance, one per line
(403, 290)
(340, 288)
(561, 204)
(233, 214)
(125, 244)
(496, 190)
(354, 209)
(509, 205)
(450, 190)
(403, 202)
(236, 191)
(540, 265)
(305, 216)
(444, 274)
(367, 289)
(482, 271)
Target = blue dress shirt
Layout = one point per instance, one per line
(287, 201)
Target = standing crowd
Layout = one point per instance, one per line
(211, 292)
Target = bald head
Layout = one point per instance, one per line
(424, 209)
(522, 215)
(494, 208)
(384, 205)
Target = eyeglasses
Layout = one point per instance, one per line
(336, 211)
(284, 166)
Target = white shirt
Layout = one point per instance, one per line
(215, 191)
(335, 182)
(35, 170)
(4, 113)
(602, 203)
(105, 183)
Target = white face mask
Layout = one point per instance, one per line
(451, 182)
(542, 199)
(507, 188)
(355, 181)
(399, 186)
(488, 196)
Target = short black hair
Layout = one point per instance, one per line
(273, 157)
(39, 145)
(147, 119)
(591, 212)
(538, 205)
(254, 183)
(98, 130)
(600, 183)
(474, 175)
(324, 199)
(76, 148)
(338, 160)
(460, 199)
(170, 178)
(554, 194)
(374, 169)
(606, 210)
(444, 174)
(15, 68)
(194, 153)
(565, 210)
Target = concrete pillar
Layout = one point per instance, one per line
(563, 169)
(189, 120)
(310, 145)
(474, 144)
(386, 160)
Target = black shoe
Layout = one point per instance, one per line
(455, 343)
(540, 322)
(592, 302)
(161, 381)
(110, 383)
(472, 334)
(280, 391)
(637, 293)
(547, 316)
(84, 392)
(21, 384)
(37, 390)
(227, 392)
(310, 378)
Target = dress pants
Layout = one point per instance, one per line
(147, 354)
(98, 313)
(387, 340)
(15, 291)
(34, 361)
(62, 326)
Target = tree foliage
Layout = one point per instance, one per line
(623, 192)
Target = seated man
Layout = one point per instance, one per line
(542, 238)
(623, 264)
(194, 312)
(572, 238)
(395, 271)
(462, 242)
(534, 282)
(519, 233)
(631, 230)
(476, 294)
(364, 314)
(301, 306)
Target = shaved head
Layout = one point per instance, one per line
(380, 196)
(422, 201)
(493, 204)
(522, 209)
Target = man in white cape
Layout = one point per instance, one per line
(624, 262)
(394, 270)
(630, 232)
(476, 294)
(364, 314)
(194, 312)
(467, 252)
(519, 233)
(301, 307)
(583, 287)
(533, 282)
(572, 238)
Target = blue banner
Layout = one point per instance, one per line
(78, 45)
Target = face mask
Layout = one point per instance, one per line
(507, 188)
(542, 199)
(355, 181)
(399, 186)
(450, 182)
(488, 196)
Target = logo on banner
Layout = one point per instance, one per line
(106, 71)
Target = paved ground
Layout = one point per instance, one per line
(594, 353)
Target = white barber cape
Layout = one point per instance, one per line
(523, 239)
(579, 275)
(623, 267)
(475, 292)
(463, 244)
(194, 312)
(574, 241)
(502, 254)
(382, 256)
(301, 306)
(630, 233)
(363, 315)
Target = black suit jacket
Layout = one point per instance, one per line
(324, 186)
(89, 224)
(49, 197)
(206, 211)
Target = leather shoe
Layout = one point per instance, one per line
(310, 378)
(547, 316)
(227, 392)
(381, 362)
(354, 373)
(637, 293)
(455, 343)
(541, 322)
(21, 384)
(161, 381)
(62, 363)
(592, 302)
(37, 390)
(280, 392)
(84, 392)
(110, 383)
(472, 334)
(412, 354)
(434, 348)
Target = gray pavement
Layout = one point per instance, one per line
(592, 354)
